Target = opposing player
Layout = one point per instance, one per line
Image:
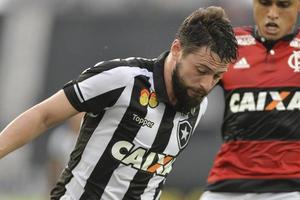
(259, 158)
(141, 113)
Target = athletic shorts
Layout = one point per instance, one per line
(250, 196)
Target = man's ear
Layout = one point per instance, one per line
(176, 49)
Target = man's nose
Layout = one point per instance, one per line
(273, 12)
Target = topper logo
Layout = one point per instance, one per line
(142, 121)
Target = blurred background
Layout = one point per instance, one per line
(46, 43)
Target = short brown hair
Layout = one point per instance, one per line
(208, 27)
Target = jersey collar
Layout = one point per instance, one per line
(270, 43)
(159, 80)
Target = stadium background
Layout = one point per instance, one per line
(45, 43)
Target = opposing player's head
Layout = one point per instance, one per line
(275, 18)
(204, 45)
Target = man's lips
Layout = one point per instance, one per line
(271, 28)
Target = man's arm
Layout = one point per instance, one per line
(35, 121)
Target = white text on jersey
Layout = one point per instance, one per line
(246, 101)
(140, 159)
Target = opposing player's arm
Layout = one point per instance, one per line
(35, 121)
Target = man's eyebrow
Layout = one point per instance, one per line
(219, 69)
(284, 1)
(222, 69)
(200, 65)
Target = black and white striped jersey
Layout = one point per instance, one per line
(130, 135)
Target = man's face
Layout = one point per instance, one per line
(275, 18)
(194, 77)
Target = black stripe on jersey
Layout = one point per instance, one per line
(87, 129)
(137, 186)
(158, 189)
(192, 118)
(106, 165)
(79, 91)
(72, 96)
(165, 129)
(258, 186)
(96, 104)
(142, 178)
(108, 99)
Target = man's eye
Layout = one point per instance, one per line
(283, 4)
(265, 2)
(201, 71)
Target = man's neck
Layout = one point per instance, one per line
(168, 71)
(269, 44)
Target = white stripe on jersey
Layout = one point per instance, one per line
(73, 190)
(152, 185)
(107, 81)
(145, 136)
(78, 93)
(119, 182)
(203, 108)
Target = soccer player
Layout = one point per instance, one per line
(140, 113)
(260, 156)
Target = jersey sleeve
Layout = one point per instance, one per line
(97, 88)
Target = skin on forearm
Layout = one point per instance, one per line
(34, 122)
(20, 131)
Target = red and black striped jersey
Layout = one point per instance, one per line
(130, 135)
(261, 127)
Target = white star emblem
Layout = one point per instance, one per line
(185, 133)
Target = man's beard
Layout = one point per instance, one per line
(184, 102)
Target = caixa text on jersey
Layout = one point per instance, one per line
(140, 159)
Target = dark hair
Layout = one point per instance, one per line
(209, 28)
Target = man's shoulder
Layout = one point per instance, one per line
(243, 30)
(126, 62)
(244, 35)
(130, 61)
